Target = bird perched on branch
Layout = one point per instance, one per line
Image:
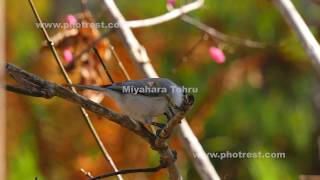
(144, 99)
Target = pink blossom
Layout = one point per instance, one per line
(67, 55)
(171, 2)
(71, 19)
(217, 55)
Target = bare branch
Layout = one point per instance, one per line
(182, 12)
(167, 16)
(197, 155)
(309, 42)
(92, 44)
(88, 48)
(221, 36)
(115, 55)
(129, 171)
(103, 64)
(137, 52)
(86, 173)
(25, 91)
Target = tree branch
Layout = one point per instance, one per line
(221, 36)
(167, 16)
(137, 52)
(196, 153)
(296, 23)
(25, 91)
(182, 13)
(127, 171)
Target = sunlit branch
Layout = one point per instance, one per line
(167, 16)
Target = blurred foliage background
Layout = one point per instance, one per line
(259, 100)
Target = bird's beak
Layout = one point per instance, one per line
(189, 99)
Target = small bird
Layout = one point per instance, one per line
(143, 99)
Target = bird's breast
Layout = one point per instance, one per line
(143, 105)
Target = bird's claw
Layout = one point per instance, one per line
(159, 125)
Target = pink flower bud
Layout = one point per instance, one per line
(71, 20)
(217, 55)
(171, 2)
(67, 55)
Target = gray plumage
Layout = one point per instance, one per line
(143, 99)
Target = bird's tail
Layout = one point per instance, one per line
(84, 87)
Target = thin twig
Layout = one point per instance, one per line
(68, 80)
(204, 37)
(187, 55)
(182, 12)
(221, 36)
(86, 173)
(136, 50)
(115, 55)
(84, 6)
(103, 64)
(89, 47)
(129, 171)
(167, 16)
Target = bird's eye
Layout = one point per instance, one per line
(184, 93)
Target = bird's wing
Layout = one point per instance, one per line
(91, 87)
(153, 87)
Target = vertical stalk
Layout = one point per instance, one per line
(68, 80)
